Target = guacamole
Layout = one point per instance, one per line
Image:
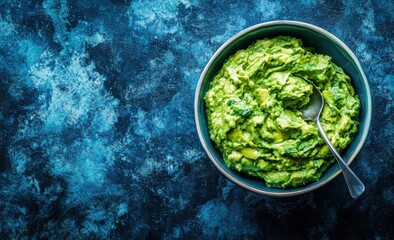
(253, 110)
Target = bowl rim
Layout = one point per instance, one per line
(289, 23)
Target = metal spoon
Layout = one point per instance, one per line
(312, 111)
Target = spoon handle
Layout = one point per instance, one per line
(356, 187)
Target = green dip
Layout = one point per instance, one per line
(253, 110)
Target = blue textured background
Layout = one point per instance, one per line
(97, 128)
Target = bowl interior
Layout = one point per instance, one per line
(312, 36)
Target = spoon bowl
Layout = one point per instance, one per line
(315, 105)
(312, 111)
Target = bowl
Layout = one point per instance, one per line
(312, 36)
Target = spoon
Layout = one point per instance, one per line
(312, 111)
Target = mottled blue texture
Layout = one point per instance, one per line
(97, 128)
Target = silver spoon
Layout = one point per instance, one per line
(312, 111)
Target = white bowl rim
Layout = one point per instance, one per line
(290, 23)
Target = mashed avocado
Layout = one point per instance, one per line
(253, 110)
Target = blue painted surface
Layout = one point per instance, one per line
(97, 128)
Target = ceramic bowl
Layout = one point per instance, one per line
(312, 36)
